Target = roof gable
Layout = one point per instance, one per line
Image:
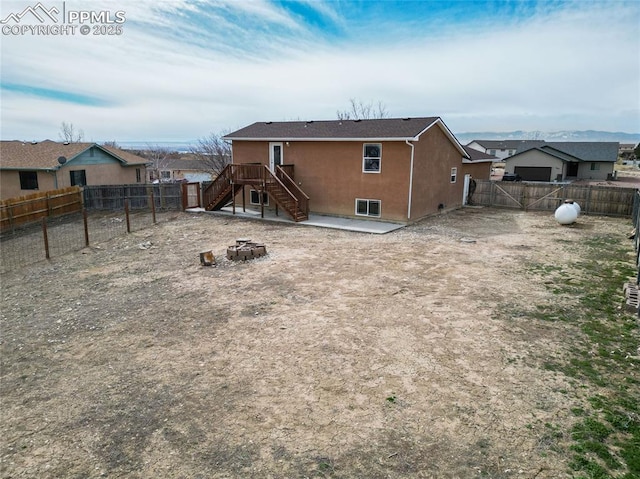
(44, 155)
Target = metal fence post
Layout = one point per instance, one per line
(126, 213)
(86, 227)
(153, 207)
(46, 238)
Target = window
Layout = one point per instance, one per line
(492, 152)
(165, 175)
(78, 178)
(254, 198)
(138, 176)
(28, 180)
(372, 155)
(454, 175)
(595, 166)
(368, 207)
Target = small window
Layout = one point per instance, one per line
(28, 180)
(372, 156)
(595, 166)
(368, 208)
(138, 175)
(492, 152)
(165, 175)
(78, 178)
(454, 174)
(254, 198)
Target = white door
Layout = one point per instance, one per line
(275, 155)
(465, 190)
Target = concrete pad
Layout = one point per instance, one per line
(320, 221)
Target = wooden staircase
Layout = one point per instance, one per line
(279, 186)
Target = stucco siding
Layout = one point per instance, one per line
(10, 184)
(434, 158)
(330, 173)
(600, 173)
(479, 171)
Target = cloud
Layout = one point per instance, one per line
(182, 69)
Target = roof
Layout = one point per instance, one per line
(508, 144)
(586, 151)
(475, 155)
(380, 129)
(180, 164)
(44, 155)
(383, 129)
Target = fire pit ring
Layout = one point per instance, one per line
(245, 249)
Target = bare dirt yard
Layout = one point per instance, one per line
(415, 354)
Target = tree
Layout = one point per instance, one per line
(112, 144)
(69, 134)
(213, 151)
(363, 111)
(159, 159)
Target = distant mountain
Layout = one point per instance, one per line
(587, 135)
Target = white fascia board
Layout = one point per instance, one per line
(473, 162)
(395, 138)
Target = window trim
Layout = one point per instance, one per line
(365, 158)
(454, 174)
(138, 175)
(265, 197)
(369, 201)
(25, 181)
(595, 166)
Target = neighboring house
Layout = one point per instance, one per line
(177, 170)
(564, 161)
(400, 169)
(502, 149)
(626, 153)
(48, 165)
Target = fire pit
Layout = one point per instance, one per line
(245, 249)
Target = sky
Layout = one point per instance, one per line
(179, 70)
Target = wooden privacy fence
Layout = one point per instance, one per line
(112, 197)
(597, 200)
(27, 209)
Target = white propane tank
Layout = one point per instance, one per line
(574, 204)
(566, 214)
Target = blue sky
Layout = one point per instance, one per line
(182, 69)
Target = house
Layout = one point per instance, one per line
(502, 149)
(563, 161)
(26, 167)
(174, 170)
(393, 169)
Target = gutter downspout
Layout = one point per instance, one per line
(410, 180)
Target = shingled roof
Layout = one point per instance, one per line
(44, 155)
(379, 129)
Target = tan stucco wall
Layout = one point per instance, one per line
(479, 171)
(330, 173)
(103, 174)
(435, 155)
(10, 184)
(585, 171)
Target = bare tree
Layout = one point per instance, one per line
(112, 144)
(159, 160)
(213, 151)
(363, 111)
(69, 134)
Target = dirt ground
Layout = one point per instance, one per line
(339, 354)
